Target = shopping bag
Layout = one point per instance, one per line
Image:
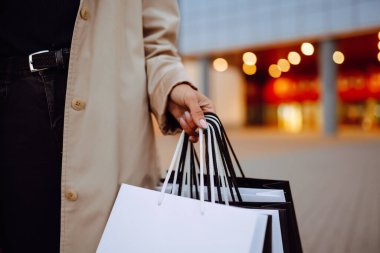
(292, 240)
(290, 232)
(144, 220)
(138, 224)
(184, 184)
(242, 191)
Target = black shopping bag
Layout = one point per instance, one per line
(289, 226)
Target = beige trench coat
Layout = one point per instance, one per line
(123, 65)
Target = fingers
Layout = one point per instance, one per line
(196, 111)
(191, 131)
(189, 120)
(189, 126)
(193, 126)
(184, 119)
(185, 126)
(183, 98)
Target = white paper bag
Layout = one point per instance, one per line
(139, 224)
(149, 221)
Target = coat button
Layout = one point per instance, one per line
(77, 104)
(71, 195)
(84, 13)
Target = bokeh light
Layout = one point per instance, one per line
(220, 64)
(378, 35)
(307, 48)
(282, 87)
(274, 71)
(338, 57)
(378, 45)
(249, 69)
(284, 65)
(294, 58)
(249, 58)
(378, 56)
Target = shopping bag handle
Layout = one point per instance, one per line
(225, 140)
(221, 179)
(222, 156)
(174, 164)
(217, 156)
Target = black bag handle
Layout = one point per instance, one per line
(227, 164)
(219, 135)
(226, 141)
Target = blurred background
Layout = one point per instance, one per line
(285, 64)
(297, 84)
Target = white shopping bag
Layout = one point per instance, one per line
(253, 195)
(139, 224)
(149, 221)
(247, 194)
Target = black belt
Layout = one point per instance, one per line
(37, 61)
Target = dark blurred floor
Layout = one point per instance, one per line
(335, 182)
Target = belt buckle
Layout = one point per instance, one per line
(32, 69)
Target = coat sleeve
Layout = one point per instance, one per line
(164, 68)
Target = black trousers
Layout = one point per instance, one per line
(31, 130)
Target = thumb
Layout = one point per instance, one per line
(196, 112)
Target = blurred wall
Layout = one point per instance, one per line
(216, 25)
(227, 90)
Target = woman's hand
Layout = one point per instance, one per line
(187, 106)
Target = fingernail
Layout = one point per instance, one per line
(187, 115)
(203, 123)
(183, 122)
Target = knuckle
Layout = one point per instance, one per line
(190, 97)
(198, 113)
